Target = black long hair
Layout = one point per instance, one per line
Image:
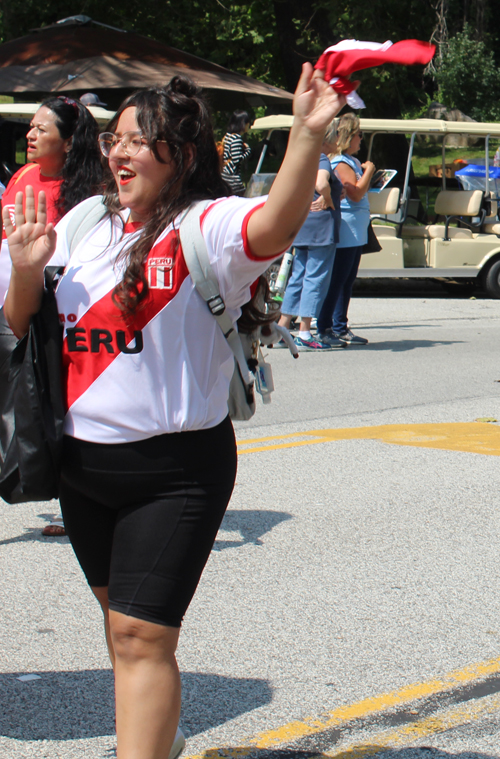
(179, 115)
(238, 121)
(82, 170)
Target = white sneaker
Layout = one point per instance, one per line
(178, 745)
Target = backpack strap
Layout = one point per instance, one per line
(201, 271)
(196, 257)
(89, 214)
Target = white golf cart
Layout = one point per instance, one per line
(443, 226)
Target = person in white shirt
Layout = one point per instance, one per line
(149, 454)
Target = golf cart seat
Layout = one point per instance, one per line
(453, 233)
(384, 202)
(381, 204)
(412, 230)
(461, 203)
(453, 205)
(491, 226)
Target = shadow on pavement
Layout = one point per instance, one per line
(414, 288)
(33, 534)
(78, 705)
(363, 750)
(250, 526)
(427, 752)
(212, 700)
(403, 345)
(59, 706)
(394, 325)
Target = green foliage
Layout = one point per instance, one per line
(468, 78)
(238, 35)
(387, 90)
(420, 110)
(270, 39)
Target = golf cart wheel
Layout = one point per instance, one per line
(491, 280)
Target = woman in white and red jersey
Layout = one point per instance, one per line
(149, 449)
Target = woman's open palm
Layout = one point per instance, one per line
(315, 102)
(31, 241)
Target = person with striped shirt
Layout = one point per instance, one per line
(235, 151)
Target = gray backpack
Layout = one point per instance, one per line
(251, 371)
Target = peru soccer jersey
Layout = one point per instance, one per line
(28, 175)
(168, 368)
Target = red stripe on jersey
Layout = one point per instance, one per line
(246, 244)
(207, 209)
(102, 333)
(132, 226)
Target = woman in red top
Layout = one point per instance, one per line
(62, 143)
(64, 162)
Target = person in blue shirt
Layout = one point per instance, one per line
(355, 209)
(314, 254)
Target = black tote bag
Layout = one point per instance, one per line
(31, 405)
(372, 245)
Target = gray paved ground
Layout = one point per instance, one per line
(343, 571)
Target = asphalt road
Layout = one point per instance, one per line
(350, 607)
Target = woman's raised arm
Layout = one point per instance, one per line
(273, 227)
(31, 245)
(355, 189)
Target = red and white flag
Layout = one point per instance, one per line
(341, 60)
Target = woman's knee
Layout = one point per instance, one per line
(135, 639)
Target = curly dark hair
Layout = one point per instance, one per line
(82, 170)
(177, 114)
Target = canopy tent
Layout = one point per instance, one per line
(22, 113)
(78, 55)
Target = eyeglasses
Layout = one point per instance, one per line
(360, 134)
(131, 143)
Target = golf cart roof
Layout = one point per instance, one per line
(23, 112)
(401, 126)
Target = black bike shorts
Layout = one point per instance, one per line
(142, 517)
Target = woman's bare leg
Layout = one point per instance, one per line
(285, 320)
(147, 687)
(305, 323)
(102, 596)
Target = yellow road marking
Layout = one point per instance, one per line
(293, 731)
(415, 731)
(468, 437)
